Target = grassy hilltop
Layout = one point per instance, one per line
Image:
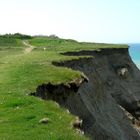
(21, 71)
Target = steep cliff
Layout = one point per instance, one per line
(112, 81)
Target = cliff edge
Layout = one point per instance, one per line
(110, 92)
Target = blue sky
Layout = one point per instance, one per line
(115, 21)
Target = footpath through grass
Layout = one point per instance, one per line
(20, 74)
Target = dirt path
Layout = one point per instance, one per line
(30, 47)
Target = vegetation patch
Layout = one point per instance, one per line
(21, 73)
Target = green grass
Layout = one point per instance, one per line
(63, 45)
(10, 42)
(20, 74)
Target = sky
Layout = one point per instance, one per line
(106, 21)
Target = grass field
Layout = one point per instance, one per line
(21, 73)
(65, 45)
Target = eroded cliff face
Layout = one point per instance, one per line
(112, 81)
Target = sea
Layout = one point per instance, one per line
(134, 51)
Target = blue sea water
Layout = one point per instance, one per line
(134, 51)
